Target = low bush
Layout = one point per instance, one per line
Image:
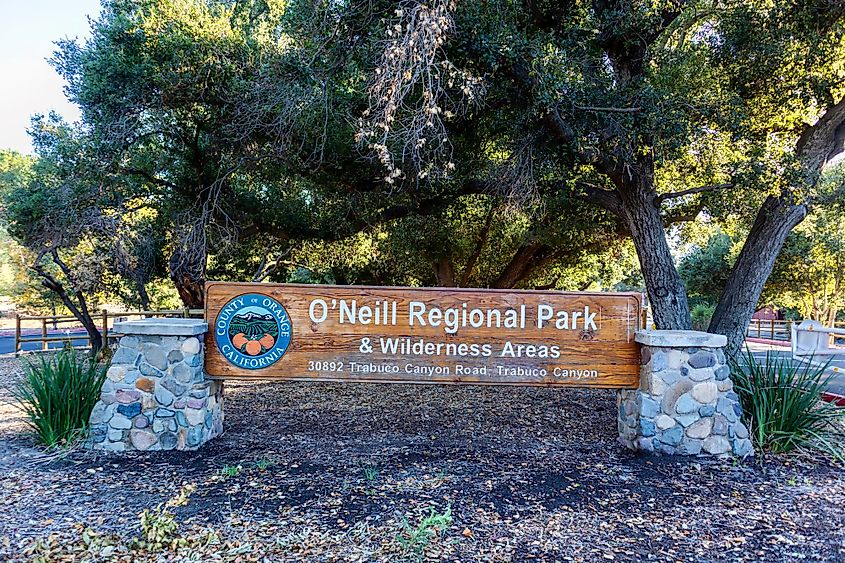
(701, 315)
(58, 394)
(782, 404)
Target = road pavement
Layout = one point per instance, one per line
(836, 368)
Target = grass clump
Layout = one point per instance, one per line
(58, 393)
(782, 404)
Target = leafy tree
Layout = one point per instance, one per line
(809, 275)
(80, 235)
(706, 269)
(653, 111)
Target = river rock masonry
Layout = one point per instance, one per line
(156, 395)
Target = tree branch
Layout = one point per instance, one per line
(700, 189)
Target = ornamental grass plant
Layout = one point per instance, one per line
(58, 393)
(783, 406)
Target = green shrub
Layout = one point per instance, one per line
(415, 539)
(58, 394)
(782, 404)
(701, 315)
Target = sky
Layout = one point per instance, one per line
(28, 84)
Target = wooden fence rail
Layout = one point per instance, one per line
(44, 321)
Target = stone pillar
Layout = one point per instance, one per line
(156, 395)
(685, 403)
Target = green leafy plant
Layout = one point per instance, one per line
(782, 404)
(415, 539)
(701, 315)
(230, 471)
(263, 464)
(370, 473)
(58, 394)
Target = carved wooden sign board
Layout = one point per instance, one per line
(421, 335)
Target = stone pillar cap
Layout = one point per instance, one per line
(680, 339)
(162, 327)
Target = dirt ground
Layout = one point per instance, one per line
(350, 472)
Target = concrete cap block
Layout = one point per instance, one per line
(162, 327)
(680, 339)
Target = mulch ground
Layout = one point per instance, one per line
(334, 472)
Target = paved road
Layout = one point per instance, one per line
(7, 340)
(837, 366)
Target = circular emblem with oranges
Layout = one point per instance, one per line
(253, 331)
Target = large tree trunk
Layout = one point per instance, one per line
(776, 218)
(444, 272)
(666, 292)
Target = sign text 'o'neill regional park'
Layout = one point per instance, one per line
(421, 335)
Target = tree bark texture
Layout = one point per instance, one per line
(776, 218)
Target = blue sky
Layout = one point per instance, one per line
(29, 85)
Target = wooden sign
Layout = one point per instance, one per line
(421, 335)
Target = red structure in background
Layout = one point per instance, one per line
(767, 314)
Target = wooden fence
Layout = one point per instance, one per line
(46, 322)
(775, 329)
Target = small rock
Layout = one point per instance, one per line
(174, 386)
(743, 448)
(127, 396)
(686, 404)
(689, 447)
(716, 445)
(645, 444)
(130, 411)
(739, 430)
(670, 376)
(707, 410)
(175, 356)
(150, 370)
(658, 361)
(167, 441)
(120, 422)
(145, 384)
(116, 373)
(647, 428)
(722, 373)
(720, 425)
(649, 408)
(141, 422)
(126, 356)
(183, 373)
(663, 422)
(164, 413)
(700, 374)
(142, 439)
(672, 436)
(705, 392)
(155, 356)
(196, 403)
(181, 420)
(700, 428)
(164, 397)
(702, 359)
(195, 416)
(686, 419)
(191, 346)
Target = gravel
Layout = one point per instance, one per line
(349, 472)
